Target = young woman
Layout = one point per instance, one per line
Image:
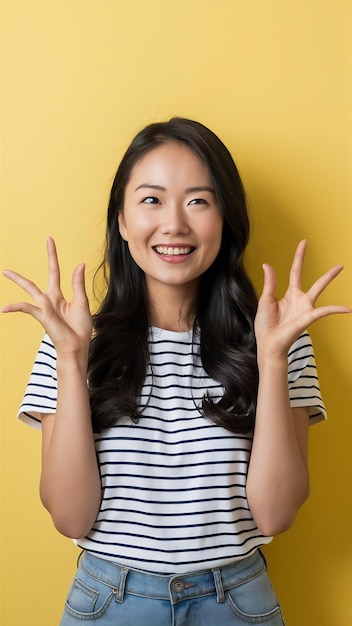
(187, 449)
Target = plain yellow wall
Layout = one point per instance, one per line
(273, 79)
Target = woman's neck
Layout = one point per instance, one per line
(173, 309)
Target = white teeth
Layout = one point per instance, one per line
(172, 251)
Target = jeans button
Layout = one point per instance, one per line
(178, 585)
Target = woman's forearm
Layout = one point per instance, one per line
(278, 480)
(70, 485)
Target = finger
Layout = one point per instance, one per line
(78, 285)
(324, 311)
(297, 265)
(22, 307)
(270, 282)
(26, 284)
(53, 265)
(318, 287)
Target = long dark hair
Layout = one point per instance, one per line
(227, 302)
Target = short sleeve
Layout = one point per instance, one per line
(41, 392)
(303, 380)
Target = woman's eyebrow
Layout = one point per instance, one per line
(201, 188)
(188, 190)
(150, 186)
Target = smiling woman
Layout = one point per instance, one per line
(188, 448)
(175, 234)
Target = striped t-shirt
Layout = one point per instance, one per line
(174, 484)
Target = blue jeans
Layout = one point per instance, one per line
(107, 594)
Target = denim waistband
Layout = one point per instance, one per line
(175, 588)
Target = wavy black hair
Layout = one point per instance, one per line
(227, 301)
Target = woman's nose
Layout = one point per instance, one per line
(175, 220)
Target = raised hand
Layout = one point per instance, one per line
(279, 324)
(68, 324)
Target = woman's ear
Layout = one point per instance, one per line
(122, 225)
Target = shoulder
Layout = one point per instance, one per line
(41, 391)
(300, 356)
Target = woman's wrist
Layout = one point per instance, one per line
(276, 360)
(71, 362)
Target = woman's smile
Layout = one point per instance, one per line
(174, 253)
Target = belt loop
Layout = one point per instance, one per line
(220, 596)
(120, 590)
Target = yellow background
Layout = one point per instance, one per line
(273, 79)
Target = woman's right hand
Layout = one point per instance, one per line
(68, 324)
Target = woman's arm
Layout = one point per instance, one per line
(278, 480)
(70, 481)
(70, 486)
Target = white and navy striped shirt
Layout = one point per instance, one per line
(174, 485)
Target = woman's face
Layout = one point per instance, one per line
(171, 218)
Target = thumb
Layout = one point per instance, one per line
(78, 285)
(270, 281)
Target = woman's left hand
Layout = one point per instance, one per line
(279, 324)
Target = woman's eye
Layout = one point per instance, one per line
(150, 200)
(198, 201)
